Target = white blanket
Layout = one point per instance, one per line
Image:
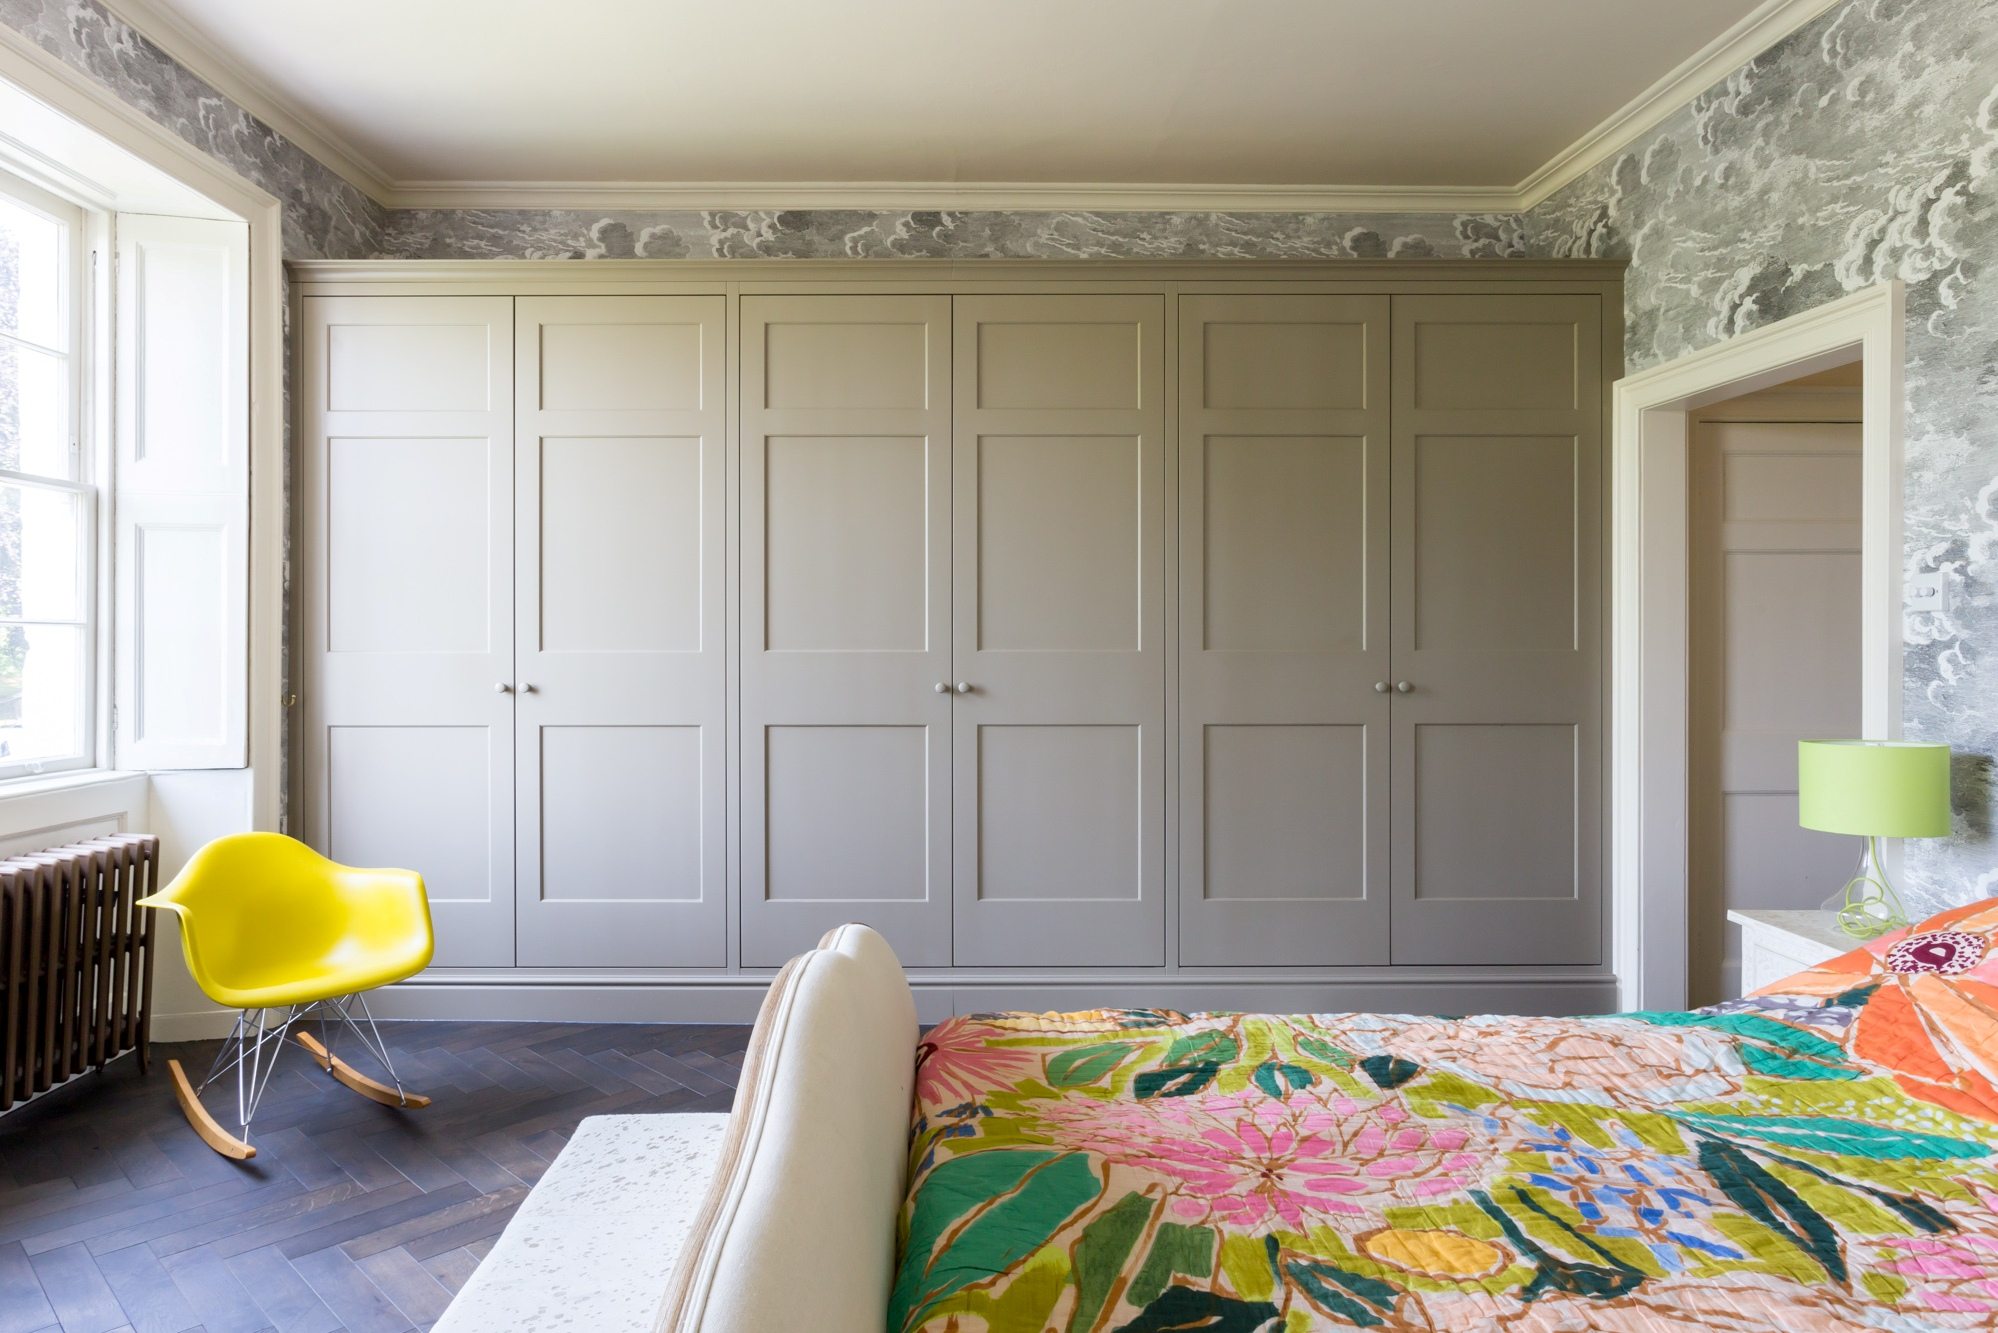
(592, 1247)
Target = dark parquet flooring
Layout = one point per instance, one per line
(351, 1216)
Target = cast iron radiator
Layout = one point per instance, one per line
(76, 960)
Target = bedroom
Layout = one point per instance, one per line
(1322, 541)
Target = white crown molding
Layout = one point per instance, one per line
(1767, 24)
(1764, 26)
(243, 86)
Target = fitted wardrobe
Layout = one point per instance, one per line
(1191, 634)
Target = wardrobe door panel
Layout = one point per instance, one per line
(422, 796)
(1060, 562)
(633, 503)
(1498, 551)
(1057, 620)
(622, 834)
(1284, 537)
(846, 543)
(620, 690)
(848, 814)
(1493, 517)
(406, 600)
(845, 629)
(1061, 814)
(1283, 629)
(405, 522)
(1285, 816)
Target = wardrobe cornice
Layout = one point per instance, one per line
(567, 276)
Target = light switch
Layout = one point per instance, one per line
(1927, 591)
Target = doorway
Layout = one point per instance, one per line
(1775, 490)
(1650, 703)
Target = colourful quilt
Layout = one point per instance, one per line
(1823, 1155)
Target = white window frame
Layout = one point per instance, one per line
(78, 312)
(149, 168)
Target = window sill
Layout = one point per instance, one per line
(81, 779)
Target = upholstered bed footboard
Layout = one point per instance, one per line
(801, 1213)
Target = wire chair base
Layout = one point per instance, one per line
(251, 1052)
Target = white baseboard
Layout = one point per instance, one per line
(736, 1000)
(201, 1025)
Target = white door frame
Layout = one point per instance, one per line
(1648, 556)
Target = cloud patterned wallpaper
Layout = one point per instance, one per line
(1863, 147)
(847, 234)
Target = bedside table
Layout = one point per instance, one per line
(1776, 943)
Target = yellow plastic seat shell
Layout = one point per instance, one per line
(266, 922)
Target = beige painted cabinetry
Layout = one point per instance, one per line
(1284, 674)
(1497, 538)
(1058, 529)
(1239, 629)
(512, 617)
(846, 612)
(1390, 639)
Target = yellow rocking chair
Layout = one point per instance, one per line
(269, 924)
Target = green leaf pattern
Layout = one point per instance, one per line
(1146, 1170)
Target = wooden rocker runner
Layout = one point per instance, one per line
(284, 936)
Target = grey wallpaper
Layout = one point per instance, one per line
(834, 234)
(1864, 147)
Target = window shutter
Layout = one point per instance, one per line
(180, 494)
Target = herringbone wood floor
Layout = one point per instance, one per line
(351, 1216)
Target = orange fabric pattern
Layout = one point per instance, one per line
(1930, 1011)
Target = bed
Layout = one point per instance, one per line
(1822, 1155)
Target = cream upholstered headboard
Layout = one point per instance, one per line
(801, 1214)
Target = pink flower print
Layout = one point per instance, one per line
(956, 1063)
(1246, 1161)
(1956, 1273)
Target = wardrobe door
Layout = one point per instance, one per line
(1283, 629)
(620, 666)
(1059, 485)
(845, 622)
(406, 600)
(1497, 531)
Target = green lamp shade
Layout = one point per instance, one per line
(1877, 789)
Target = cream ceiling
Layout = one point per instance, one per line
(1402, 100)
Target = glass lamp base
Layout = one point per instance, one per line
(1867, 907)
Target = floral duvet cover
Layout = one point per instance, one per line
(1823, 1155)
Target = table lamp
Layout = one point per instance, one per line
(1876, 789)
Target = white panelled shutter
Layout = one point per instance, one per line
(180, 494)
